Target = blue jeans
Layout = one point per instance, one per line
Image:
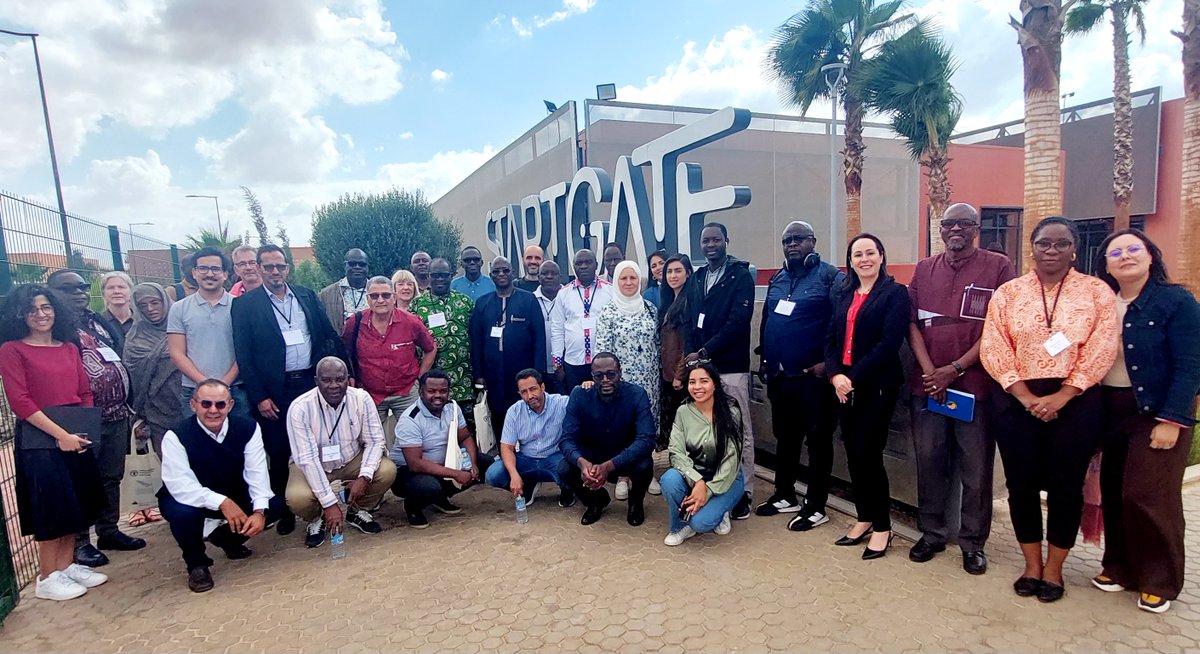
(241, 401)
(675, 488)
(531, 470)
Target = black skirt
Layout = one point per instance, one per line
(58, 493)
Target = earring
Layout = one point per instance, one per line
(1072, 257)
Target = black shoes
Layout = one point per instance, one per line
(923, 551)
(592, 514)
(199, 580)
(1050, 592)
(777, 504)
(417, 519)
(741, 510)
(120, 542)
(566, 497)
(88, 555)
(286, 524)
(1027, 586)
(870, 554)
(636, 514)
(847, 541)
(444, 506)
(974, 562)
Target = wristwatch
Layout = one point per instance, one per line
(961, 371)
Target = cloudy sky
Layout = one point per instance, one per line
(304, 100)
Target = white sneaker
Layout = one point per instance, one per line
(677, 537)
(622, 489)
(655, 488)
(58, 587)
(725, 526)
(85, 576)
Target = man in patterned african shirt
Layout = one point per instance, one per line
(447, 313)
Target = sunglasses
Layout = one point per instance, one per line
(208, 404)
(788, 240)
(1058, 246)
(379, 296)
(697, 362)
(70, 288)
(607, 374)
(356, 264)
(274, 267)
(440, 275)
(501, 271)
(962, 223)
(472, 259)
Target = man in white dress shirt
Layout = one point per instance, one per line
(573, 323)
(214, 467)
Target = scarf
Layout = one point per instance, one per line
(154, 380)
(629, 306)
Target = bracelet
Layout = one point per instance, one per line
(960, 369)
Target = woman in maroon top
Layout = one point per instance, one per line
(862, 357)
(58, 490)
(673, 313)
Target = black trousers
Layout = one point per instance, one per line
(419, 490)
(803, 409)
(1051, 456)
(668, 405)
(640, 471)
(187, 526)
(575, 375)
(942, 443)
(865, 423)
(274, 432)
(110, 460)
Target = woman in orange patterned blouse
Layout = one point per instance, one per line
(1049, 338)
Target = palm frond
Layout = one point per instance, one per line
(1085, 17)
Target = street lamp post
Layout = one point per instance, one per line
(62, 209)
(220, 229)
(129, 252)
(835, 76)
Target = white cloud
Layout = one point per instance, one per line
(525, 28)
(275, 146)
(438, 76)
(521, 30)
(406, 136)
(437, 175)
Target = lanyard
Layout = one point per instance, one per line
(1047, 310)
(287, 300)
(792, 290)
(586, 298)
(361, 295)
(333, 430)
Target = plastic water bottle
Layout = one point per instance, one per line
(466, 459)
(522, 514)
(337, 543)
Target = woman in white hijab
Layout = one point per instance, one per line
(628, 327)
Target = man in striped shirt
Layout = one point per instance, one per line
(335, 433)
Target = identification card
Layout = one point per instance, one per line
(975, 302)
(437, 319)
(1057, 343)
(588, 323)
(497, 331)
(293, 337)
(108, 354)
(785, 307)
(700, 321)
(331, 453)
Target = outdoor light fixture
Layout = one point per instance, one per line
(550, 106)
(220, 228)
(606, 91)
(835, 79)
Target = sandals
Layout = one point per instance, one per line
(143, 516)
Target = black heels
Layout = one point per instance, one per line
(847, 541)
(869, 554)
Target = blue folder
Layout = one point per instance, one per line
(958, 405)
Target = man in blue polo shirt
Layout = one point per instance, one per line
(535, 423)
(473, 283)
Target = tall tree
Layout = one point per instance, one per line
(831, 32)
(285, 241)
(909, 81)
(1189, 220)
(1040, 35)
(1085, 17)
(211, 238)
(256, 216)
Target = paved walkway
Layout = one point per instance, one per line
(479, 582)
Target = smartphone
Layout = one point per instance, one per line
(684, 514)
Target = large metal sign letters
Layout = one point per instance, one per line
(557, 218)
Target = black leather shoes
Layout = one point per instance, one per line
(636, 515)
(236, 552)
(847, 541)
(1050, 592)
(286, 524)
(975, 562)
(1027, 586)
(592, 514)
(90, 556)
(199, 580)
(120, 542)
(923, 551)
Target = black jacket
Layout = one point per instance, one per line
(879, 331)
(1162, 351)
(728, 309)
(258, 343)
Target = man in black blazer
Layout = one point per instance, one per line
(280, 331)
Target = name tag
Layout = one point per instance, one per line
(293, 337)
(437, 319)
(497, 331)
(785, 307)
(588, 323)
(331, 453)
(108, 354)
(700, 321)
(1056, 343)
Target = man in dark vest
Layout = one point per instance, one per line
(214, 471)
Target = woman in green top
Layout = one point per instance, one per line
(705, 479)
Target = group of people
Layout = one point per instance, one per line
(270, 401)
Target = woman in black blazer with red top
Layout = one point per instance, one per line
(862, 359)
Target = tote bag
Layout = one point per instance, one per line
(143, 477)
(485, 439)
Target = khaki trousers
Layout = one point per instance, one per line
(303, 502)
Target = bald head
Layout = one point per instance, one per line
(961, 210)
(533, 260)
(356, 268)
(332, 380)
(799, 241)
(502, 274)
(959, 227)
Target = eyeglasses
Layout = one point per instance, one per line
(962, 223)
(605, 374)
(209, 269)
(788, 240)
(439, 275)
(356, 264)
(379, 296)
(1132, 250)
(243, 265)
(46, 310)
(1061, 245)
(208, 404)
(274, 267)
(71, 288)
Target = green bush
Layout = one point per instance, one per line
(309, 273)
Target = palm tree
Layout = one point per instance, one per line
(1085, 17)
(1189, 219)
(909, 80)
(211, 238)
(1040, 34)
(829, 32)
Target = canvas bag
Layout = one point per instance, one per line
(143, 478)
(485, 439)
(453, 453)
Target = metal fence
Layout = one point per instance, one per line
(36, 240)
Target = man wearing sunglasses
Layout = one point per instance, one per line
(280, 331)
(109, 382)
(348, 295)
(473, 283)
(214, 468)
(608, 432)
(950, 292)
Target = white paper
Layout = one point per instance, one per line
(293, 337)
(437, 319)
(331, 453)
(588, 323)
(109, 354)
(1057, 343)
(700, 321)
(497, 331)
(785, 307)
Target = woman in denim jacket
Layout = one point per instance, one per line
(1149, 402)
